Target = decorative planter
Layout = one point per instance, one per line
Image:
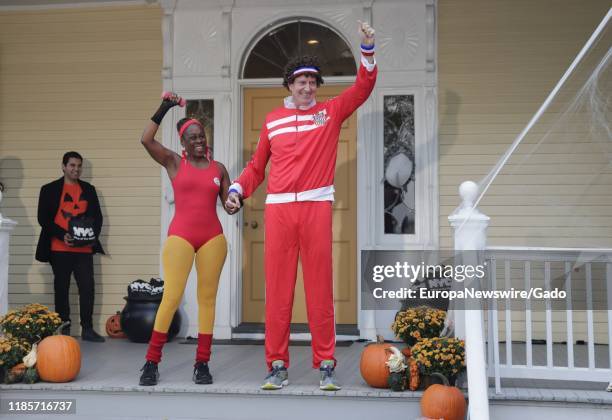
(429, 380)
(138, 319)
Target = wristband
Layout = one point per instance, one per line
(367, 50)
(161, 111)
(233, 190)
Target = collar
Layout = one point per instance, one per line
(291, 105)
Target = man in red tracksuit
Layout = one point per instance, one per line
(301, 140)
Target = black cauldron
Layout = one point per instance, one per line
(138, 318)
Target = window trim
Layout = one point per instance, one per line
(425, 154)
(275, 25)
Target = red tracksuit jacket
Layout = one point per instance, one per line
(302, 144)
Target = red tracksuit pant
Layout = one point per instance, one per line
(301, 229)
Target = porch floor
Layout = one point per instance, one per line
(112, 369)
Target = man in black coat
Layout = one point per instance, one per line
(60, 201)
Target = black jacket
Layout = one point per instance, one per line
(48, 204)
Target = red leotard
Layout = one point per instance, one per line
(195, 203)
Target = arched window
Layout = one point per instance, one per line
(269, 56)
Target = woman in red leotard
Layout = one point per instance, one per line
(195, 233)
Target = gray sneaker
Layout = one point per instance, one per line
(277, 378)
(328, 380)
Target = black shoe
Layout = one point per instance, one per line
(201, 374)
(150, 374)
(88, 334)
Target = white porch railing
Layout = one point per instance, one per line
(536, 267)
(587, 278)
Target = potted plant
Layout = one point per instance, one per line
(439, 355)
(12, 351)
(413, 324)
(32, 322)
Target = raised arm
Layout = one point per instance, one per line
(161, 154)
(366, 32)
(352, 98)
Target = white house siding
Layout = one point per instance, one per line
(83, 79)
(498, 61)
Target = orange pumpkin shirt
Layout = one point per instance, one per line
(71, 205)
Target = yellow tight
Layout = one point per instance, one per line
(177, 259)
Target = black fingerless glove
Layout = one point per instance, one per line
(161, 111)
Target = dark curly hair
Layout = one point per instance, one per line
(303, 61)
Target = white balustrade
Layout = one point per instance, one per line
(538, 266)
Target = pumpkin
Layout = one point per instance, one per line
(113, 326)
(58, 358)
(372, 365)
(443, 401)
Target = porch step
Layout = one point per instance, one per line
(109, 402)
(222, 405)
(107, 388)
(553, 403)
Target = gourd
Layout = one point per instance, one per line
(397, 368)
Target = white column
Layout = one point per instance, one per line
(6, 227)
(367, 324)
(470, 227)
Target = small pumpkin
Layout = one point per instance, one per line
(372, 364)
(443, 401)
(113, 326)
(59, 358)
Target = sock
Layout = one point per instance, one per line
(203, 350)
(154, 352)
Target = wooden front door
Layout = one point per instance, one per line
(257, 103)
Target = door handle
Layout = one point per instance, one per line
(254, 224)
